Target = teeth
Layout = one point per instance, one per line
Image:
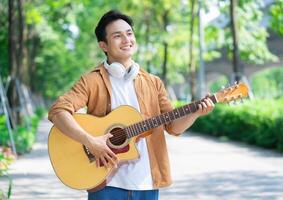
(127, 47)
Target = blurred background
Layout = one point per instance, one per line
(195, 46)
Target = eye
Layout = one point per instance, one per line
(130, 33)
(116, 36)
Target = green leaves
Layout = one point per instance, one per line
(62, 45)
(255, 122)
(276, 20)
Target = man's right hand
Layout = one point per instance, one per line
(98, 147)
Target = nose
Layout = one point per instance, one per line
(125, 38)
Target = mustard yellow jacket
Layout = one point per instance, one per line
(94, 91)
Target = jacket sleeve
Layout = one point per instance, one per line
(71, 101)
(164, 104)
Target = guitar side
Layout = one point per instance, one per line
(68, 158)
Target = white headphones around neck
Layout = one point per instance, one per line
(117, 70)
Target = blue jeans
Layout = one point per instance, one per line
(113, 193)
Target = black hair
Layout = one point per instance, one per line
(107, 18)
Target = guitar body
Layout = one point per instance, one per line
(69, 159)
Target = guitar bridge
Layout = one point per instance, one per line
(88, 154)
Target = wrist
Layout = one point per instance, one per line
(86, 139)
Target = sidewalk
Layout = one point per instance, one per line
(202, 169)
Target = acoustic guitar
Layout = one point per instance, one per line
(75, 166)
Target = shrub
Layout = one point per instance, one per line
(255, 122)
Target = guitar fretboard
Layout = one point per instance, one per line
(165, 118)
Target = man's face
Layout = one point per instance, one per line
(121, 41)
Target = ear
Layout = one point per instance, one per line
(103, 46)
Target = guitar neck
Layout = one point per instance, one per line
(165, 118)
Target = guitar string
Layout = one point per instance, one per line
(121, 131)
(120, 137)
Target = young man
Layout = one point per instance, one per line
(120, 81)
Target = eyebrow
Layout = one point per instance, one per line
(117, 32)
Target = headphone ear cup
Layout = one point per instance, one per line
(115, 69)
(132, 72)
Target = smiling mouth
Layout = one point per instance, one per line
(126, 47)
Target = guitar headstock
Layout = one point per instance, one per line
(232, 93)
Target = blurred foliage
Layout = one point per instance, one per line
(256, 122)
(276, 19)
(268, 83)
(252, 34)
(218, 84)
(24, 137)
(3, 39)
(6, 158)
(66, 47)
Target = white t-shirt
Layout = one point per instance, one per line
(134, 174)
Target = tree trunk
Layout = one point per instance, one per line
(20, 40)
(34, 43)
(165, 45)
(192, 64)
(237, 68)
(11, 39)
(147, 27)
(15, 57)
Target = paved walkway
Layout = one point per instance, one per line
(202, 169)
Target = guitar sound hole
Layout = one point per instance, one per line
(119, 136)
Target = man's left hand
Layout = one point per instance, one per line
(205, 107)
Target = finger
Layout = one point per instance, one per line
(199, 106)
(204, 107)
(108, 135)
(111, 153)
(97, 161)
(112, 161)
(210, 104)
(207, 102)
(104, 161)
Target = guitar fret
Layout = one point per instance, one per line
(131, 131)
(159, 120)
(167, 117)
(151, 123)
(155, 122)
(136, 129)
(162, 119)
(144, 126)
(171, 116)
(184, 110)
(181, 110)
(148, 123)
(127, 129)
(177, 113)
(140, 127)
